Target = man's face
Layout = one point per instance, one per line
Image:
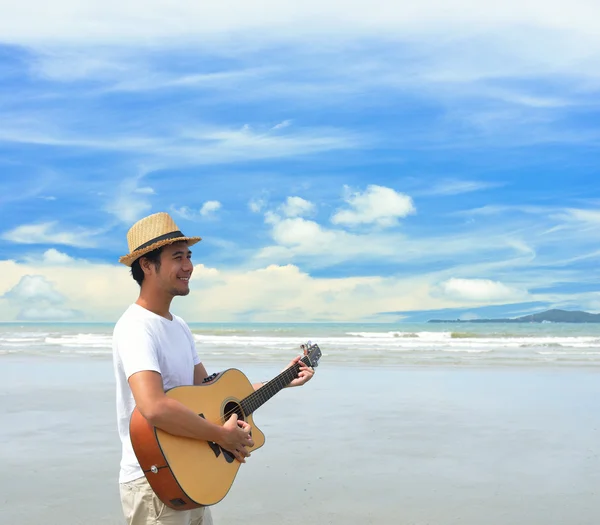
(175, 269)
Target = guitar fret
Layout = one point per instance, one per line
(268, 390)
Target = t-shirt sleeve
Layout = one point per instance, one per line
(137, 349)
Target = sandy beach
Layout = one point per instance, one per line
(382, 445)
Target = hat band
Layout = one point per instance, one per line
(165, 237)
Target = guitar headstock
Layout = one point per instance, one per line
(312, 354)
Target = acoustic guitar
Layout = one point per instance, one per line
(187, 473)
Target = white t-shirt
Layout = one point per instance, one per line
(143, 340)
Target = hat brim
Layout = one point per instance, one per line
(130, 258)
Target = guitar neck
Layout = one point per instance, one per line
(268, 390)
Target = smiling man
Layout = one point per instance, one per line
(154, 351)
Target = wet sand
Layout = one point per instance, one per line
(419, 445)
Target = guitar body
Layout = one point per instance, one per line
(187, 473)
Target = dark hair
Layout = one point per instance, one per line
(136, 270)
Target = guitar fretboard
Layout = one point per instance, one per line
(268, 390)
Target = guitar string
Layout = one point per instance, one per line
(257, 395)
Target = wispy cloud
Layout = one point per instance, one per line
(281, 125)
(457, 187)
(587, 217)
(562, 216)
(130, 201)
(50, 233)
(256, 205)
(194, 145)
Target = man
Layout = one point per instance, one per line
(153, 351)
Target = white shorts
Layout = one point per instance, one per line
(141, 506)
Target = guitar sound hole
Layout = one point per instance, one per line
(231, 408)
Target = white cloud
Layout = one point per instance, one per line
(34, 288)
(296, 207)
(304, 235)
(256, 205)
(480, 290)
(37, 299)
(209, 208)
(48, 233)
(377, 205)
(54, 257)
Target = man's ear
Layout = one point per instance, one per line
(146, 266)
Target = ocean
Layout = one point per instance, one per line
(423, 344)
(403, 424)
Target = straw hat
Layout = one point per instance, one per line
(150, 233)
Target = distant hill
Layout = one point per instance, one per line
(549, 316)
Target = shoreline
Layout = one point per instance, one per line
(367, 364)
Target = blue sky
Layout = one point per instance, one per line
(341, 164)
